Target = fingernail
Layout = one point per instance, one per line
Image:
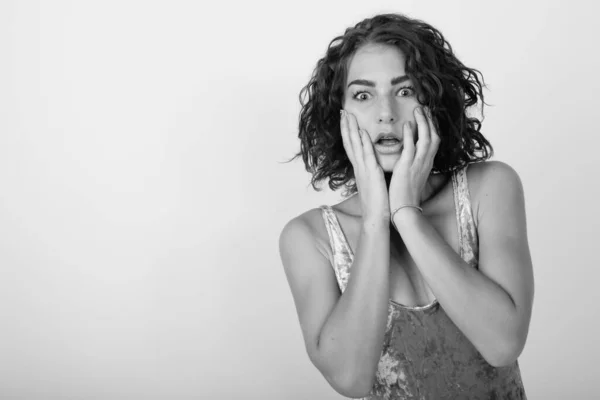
(418, 110)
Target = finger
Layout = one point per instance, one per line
(356, 140)
(435, 137)
(368, 151)
(346, 137)
(408, 140)
(424, 136)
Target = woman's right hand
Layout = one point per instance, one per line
(368, 174)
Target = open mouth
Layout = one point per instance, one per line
(387, 142)
(388, 146)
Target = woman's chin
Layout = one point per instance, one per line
(388, 162)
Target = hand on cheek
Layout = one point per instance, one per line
(412, 170)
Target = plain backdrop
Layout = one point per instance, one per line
(143, 189)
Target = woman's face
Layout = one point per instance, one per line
(380, 95)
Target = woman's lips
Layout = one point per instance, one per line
(388, 147)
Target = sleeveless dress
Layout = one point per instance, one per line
(425, 355)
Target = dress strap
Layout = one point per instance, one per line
(467, 230)
(341, 252)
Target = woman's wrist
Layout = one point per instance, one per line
(401, 214)
(375, 224)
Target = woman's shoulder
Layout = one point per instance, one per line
(314, 216)
(490, 174)
(311, 225)
(309, 218)
(491, 179)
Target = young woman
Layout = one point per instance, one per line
(419, 285)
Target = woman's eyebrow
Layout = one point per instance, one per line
(364, 82)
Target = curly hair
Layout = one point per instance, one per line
(442, 82)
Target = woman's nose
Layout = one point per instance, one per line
(386, 118)
(386, 112)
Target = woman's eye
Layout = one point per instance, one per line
(403, 92)
(361, 96)
(407, 91)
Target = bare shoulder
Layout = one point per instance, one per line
(309, 228)
(489, 174)
(491, 183)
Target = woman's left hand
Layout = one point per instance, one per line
(412, 170)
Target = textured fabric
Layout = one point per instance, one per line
(425, 356)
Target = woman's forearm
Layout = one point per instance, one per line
(351, 340)
(479, 307)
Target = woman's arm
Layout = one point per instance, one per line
(492, 305)
(344, 333)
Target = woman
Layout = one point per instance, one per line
(419, 284)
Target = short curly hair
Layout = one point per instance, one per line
(442, 82)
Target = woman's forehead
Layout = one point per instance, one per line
(376, 62)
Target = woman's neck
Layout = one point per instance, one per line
(435, 183)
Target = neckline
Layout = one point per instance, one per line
(346, 243)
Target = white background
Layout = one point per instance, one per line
(142, 189)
